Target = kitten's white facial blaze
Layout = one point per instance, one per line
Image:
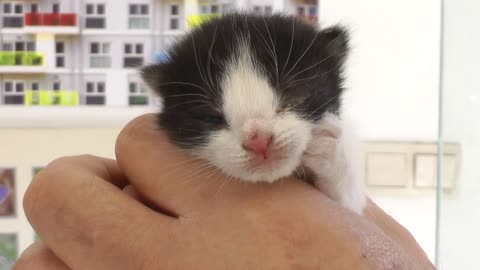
(250, 107)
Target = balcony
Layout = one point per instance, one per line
(13, 21)
(21, 59)
(95, 23)
(51, 98)
(61, 23)
(132, 62)
(100, 61)
(196, 20)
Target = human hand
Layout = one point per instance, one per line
(197, 218)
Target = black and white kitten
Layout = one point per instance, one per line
(259, 97)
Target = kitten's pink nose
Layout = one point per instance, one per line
(258, 143)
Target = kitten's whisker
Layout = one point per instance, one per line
(273, 49)
(303, 55)
(323, 105)
(198, 65)
(291, 45)
(210, 57)
(312, 66)
(185, 83)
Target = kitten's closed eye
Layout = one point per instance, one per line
(210, 118)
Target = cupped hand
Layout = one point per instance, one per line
(157, 207)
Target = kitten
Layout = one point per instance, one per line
(259, 97)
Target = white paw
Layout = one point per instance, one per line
(335, 164)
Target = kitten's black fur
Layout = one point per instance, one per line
(309, 63)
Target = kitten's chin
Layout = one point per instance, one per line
(268, 172)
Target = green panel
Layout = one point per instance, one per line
(197, 20)
(51, 98)
(138, 100)
(21, 59)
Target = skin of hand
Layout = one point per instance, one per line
(156, 207)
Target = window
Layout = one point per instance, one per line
(215, 9)
(34, 8)
(174, 17)
(56, 86)
(95, 16)
(13, 92)
(35, 86)
(60, 54)
(133, 55)
(19, 46)
(95, 93)
(56, 8)
(13, 15)
(137, 94)
(138, 16)
(301, 11)
(100, 55)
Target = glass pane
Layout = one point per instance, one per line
(144, 9)
(460, 125)
(8, 87)
(106, 48)
(174, 10)
(31, 46)
(128, 49)
(35, 86)
(7, 8)
(19, 87)
(94, 48)
(100, 87)
(59, 47)
(18, 9)
(174, 24)
(90, 87)
(100, 9)
(90, 9)
(132, 87)
(139, 49)
(214, 9)
(133, 9)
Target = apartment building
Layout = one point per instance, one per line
(85, 52)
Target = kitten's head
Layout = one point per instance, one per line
(244, 91)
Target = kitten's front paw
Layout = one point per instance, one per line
(335, 167)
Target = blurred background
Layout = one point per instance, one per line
(68, 83)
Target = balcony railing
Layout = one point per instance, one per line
(100, 61)
(95, 23)
(197, 20)
(51, 97)
(50, 19)
(13, 21)
(21, 59)
(132, 62)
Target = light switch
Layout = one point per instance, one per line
(426, 170)
(387, 169)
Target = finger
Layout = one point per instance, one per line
(39, 257)
(84, 218)
(164, 174)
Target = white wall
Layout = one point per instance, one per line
(393, 86)
(460, 216)
(394, 65)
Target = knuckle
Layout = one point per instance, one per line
(44, 185)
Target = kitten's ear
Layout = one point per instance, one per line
(152, 76)
(337, 39)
